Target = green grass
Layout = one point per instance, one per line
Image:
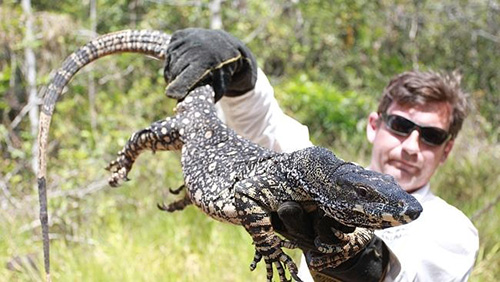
(185, 246)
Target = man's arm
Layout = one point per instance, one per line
(257, 116)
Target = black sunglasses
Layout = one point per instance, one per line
(401, 126)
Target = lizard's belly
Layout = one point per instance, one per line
(210, 187)
(219, 206)
(210, 173)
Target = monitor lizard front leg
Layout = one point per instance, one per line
(162, 135)
(251, 199)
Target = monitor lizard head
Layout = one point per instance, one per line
(352, 195)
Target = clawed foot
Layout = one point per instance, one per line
(350, 245)
(119, 169)
(175, 206)
(318, 263)
(279, 259)
(327, 248)
(333, 248)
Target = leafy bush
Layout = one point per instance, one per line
(334, 117)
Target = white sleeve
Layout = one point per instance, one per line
(257, 116)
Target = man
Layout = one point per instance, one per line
(413, 132)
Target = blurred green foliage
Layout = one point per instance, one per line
(334, 117)
(328, 60)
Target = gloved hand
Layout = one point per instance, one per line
(197, 56)
(306, 226)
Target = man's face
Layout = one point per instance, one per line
(407, 158)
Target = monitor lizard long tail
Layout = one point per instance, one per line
(147, 42)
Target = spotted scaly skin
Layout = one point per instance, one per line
(234, 180)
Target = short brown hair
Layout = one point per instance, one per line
(418, 88)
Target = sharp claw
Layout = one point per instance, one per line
(162, 206)
(178, 190)
(281, 271)
(340, 235)
(256, 259)
(110, 166)
(295, 277)
(113, 183)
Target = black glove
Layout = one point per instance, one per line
(369, 265)
(304, 227)
(197, 56)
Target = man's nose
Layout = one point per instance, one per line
(411, 143)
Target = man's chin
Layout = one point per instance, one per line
(408, 186)
(404, 179)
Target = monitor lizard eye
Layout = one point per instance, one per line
(362, 191)
(401, 203)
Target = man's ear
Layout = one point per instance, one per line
(372, 126)
(447, 149)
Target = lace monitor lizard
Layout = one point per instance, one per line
(234, 180)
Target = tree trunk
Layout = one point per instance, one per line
(92, 88)
(30, 64)
(30, 71)
(215, 14)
